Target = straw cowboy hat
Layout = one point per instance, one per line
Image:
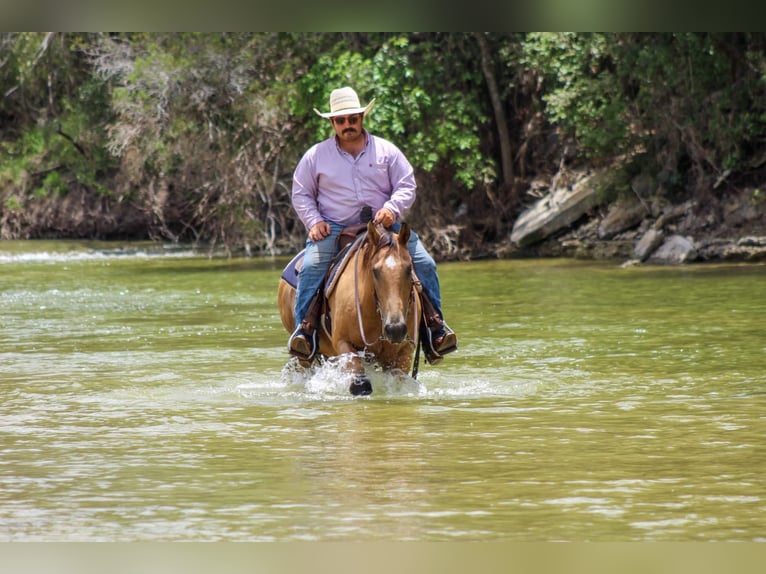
(344, 101)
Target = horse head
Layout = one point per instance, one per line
(391, 265)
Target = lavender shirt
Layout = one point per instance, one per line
(331, 185)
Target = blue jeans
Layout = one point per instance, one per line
(317, 259)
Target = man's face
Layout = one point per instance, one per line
(349, 127)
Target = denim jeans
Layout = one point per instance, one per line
(317, 259)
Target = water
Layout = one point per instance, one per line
(146, 396)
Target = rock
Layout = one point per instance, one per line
(726, 226)
(625, 213)
(630, 263)
(556, 211)
(752, 241)
(672, 213)
(739, 212)
(745, 253)
(675, 249)
(650, 241)
(643, 185)
(750, 248)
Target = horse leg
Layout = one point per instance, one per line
(403, 361)
(360, 382)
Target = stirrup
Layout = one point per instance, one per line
(302, 344)
(448, 344)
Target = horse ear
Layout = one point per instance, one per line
(404, 234)
(372, 233)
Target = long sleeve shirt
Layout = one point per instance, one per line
(331, 185)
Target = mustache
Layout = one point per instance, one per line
(352, 130)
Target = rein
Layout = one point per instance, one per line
(358, 305)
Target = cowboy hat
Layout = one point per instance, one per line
(344, 101)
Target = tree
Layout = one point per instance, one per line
(194, 136)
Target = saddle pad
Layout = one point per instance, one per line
(290, 272)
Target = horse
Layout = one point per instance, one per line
(373, 307)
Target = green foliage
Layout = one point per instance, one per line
(582, 95)
(679, 95)
(12, 203)
(64, 108)
(201, 131)
(52, 184)
(17, 157)
(433, 118)
(201, 124)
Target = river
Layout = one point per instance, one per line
(146, 395)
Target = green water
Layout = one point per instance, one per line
(145, 394)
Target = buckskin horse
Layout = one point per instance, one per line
(372, 306)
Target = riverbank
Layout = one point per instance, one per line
(571, 217)
(577, 222)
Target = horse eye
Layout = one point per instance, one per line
(376, 272)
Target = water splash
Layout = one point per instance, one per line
(330, 379)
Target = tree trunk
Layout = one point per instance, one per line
(497, 107)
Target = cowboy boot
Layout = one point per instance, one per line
(438, 338)
(303, 343)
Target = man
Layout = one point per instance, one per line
(334, 182)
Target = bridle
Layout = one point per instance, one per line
(368, 344)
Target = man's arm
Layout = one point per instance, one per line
(304, 196)
(403, 188)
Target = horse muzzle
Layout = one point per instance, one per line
(395, 331)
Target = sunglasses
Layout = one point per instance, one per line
(340, 120)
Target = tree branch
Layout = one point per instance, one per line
(77, 146)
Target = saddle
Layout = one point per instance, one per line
(349, 241)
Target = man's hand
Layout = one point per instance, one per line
(384, 217)
(319, 231)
